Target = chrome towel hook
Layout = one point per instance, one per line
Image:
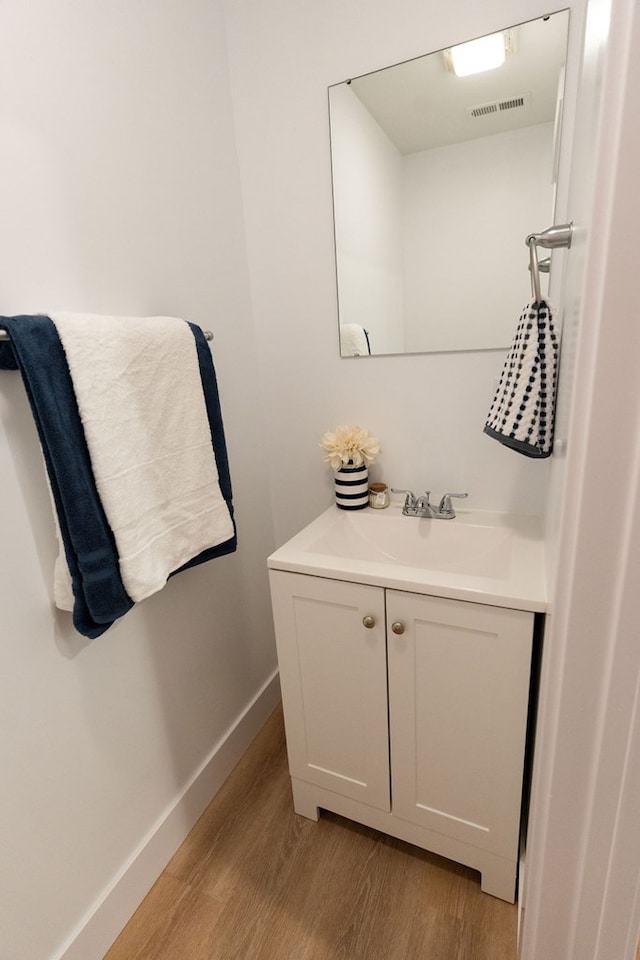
(557, 236)
(534, 268)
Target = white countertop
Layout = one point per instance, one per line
(480, 556)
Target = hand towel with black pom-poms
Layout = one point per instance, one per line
(522, 413)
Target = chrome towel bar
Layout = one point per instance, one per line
(557, 236)
(5, 336)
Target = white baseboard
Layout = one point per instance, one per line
(111, 912)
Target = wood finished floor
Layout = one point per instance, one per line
(254, 881)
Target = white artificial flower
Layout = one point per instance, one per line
(349, 444)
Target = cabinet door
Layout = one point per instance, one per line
(458, 703)
(334, 684)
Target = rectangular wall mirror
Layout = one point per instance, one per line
(437, 180)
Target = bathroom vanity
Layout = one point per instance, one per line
(405, 650)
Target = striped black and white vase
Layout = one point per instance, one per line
(352, 487)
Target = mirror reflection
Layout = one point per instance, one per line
(438, 177)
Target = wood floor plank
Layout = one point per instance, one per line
(193, 932)
(172, 917)
(255, 881)
(249, 830)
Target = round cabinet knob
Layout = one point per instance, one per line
(397, 627)
(369, 622)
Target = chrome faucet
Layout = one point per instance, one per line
(421, 507)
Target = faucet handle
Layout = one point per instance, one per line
(409, 500)
(445, 504)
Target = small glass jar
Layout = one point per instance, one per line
(378, 496)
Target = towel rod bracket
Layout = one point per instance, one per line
(559, 235)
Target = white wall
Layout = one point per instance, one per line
(583, 897)
(120, 194)
(365, 164)
(428, 411)
(467, 209)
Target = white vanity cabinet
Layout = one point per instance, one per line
(407, 713)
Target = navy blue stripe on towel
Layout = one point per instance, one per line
(99, 595)
(214, 413)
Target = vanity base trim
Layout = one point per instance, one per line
(498, 874)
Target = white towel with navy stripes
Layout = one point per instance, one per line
(523, 411)
(140, 399)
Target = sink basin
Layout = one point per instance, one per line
(488, 557)
(470, 548)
